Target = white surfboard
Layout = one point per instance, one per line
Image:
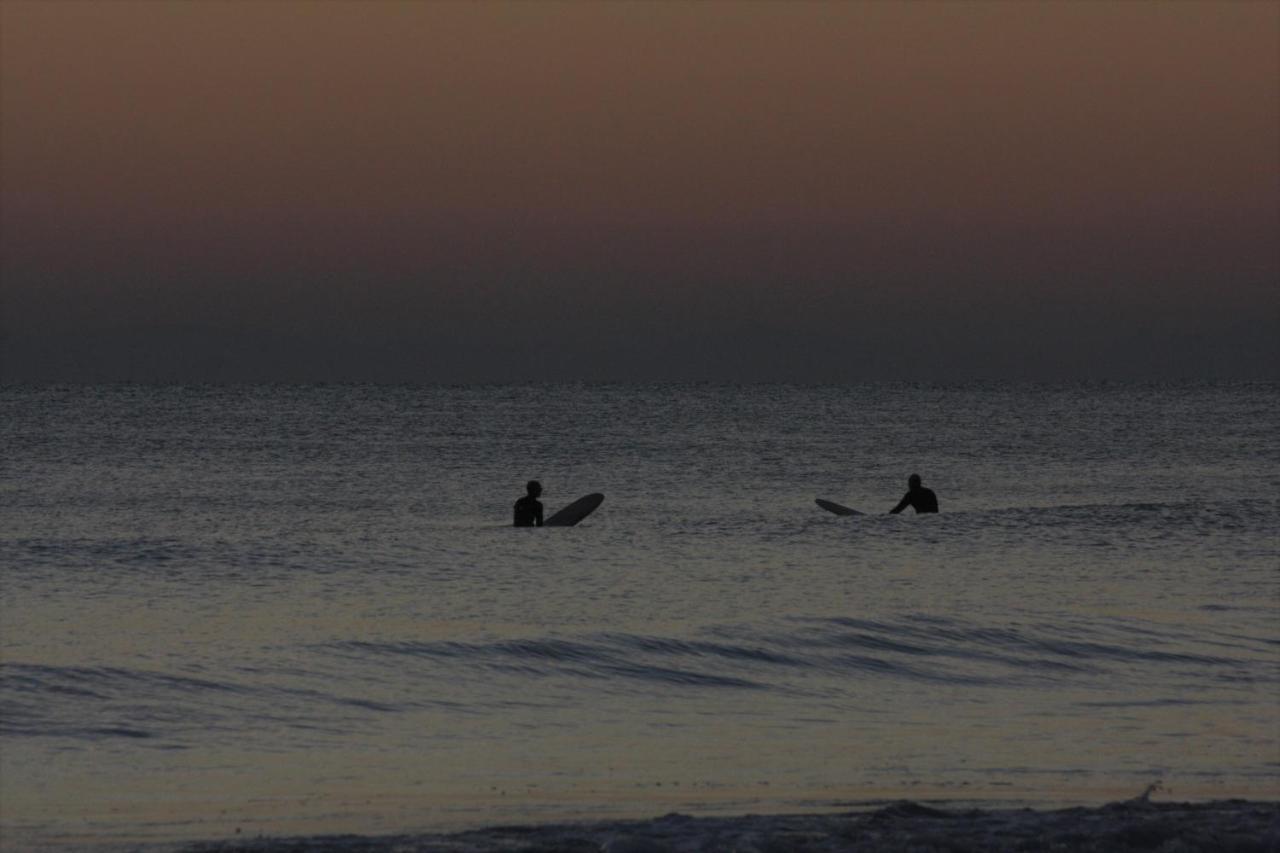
(576, 511)
(832, 506)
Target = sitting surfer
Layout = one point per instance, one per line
(917, 497)
(529, 509)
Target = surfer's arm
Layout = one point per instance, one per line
(902, 504)
(537, 514)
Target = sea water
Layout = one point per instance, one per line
(303, 608)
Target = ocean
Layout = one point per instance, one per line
(244, 610)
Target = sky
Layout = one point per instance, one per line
(747, 191)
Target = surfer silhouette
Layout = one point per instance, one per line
(917, 497)
(528, 511)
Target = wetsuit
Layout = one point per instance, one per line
(528, 512)
(920, 499)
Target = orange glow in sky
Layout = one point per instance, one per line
(613, 177)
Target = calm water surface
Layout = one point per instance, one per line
(301, 609)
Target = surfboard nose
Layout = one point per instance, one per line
(576, 511)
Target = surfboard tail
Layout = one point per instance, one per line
(838, 509)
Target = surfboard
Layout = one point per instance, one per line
(576, 511)
(832, 506)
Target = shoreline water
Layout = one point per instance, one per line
(1128, 826)
(922, 824)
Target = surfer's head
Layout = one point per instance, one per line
(534, 488)
(913, 481)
